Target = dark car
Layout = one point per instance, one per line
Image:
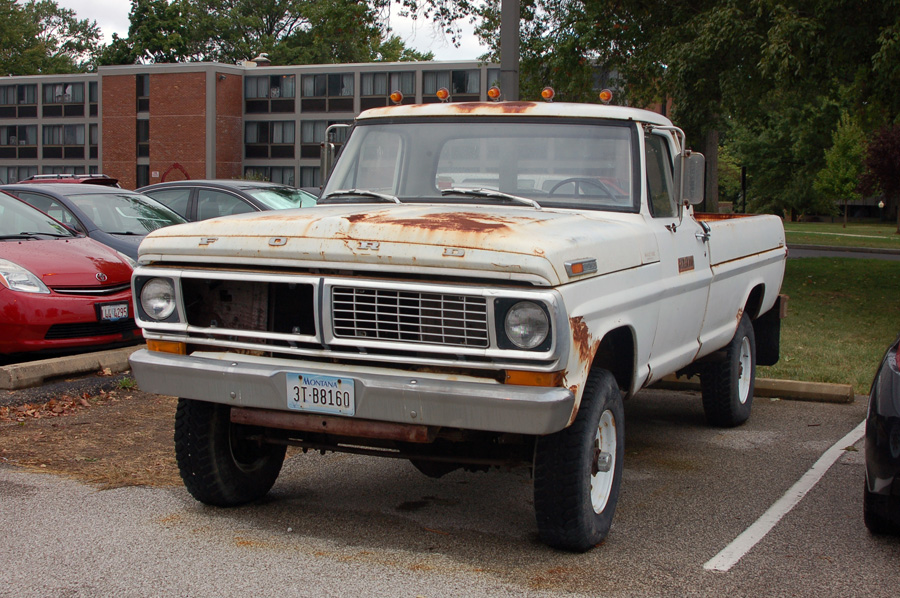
(115, 217)
(881, 504)
(59, 290)
(202, 199)
(83, 179)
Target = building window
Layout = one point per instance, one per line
(309, 176)
(327, 93)
(143, 138)
(94, 141)
(270, 93)
(463, 85)
(276, 174)
(493, 78)
(14, 174)
(312, 135)
(376, 88)
(63, 141)
(142, 88)
(63, 99)
(93, 98)
(18, 101)
(18, 141)
(63, 93)
(265, 139)
(143, 175)
(62, 170)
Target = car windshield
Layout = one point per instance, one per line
(125, 213)
(582, 165)
(18, 220)
(282, 198)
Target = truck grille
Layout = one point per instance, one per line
(409, 316)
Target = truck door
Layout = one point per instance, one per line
(684, 262)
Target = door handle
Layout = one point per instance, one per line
(705, 234)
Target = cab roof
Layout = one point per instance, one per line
(541, 109)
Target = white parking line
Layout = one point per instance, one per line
(741, 545)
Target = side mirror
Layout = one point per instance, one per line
(690, 174)
(327, 159)
(329, 154)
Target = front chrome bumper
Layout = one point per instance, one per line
(381, 395)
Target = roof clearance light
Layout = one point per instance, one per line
(397, 97)
(443, 94)
(606, 96)
(494, 93)
(547, 93)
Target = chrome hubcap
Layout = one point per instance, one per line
(603, 464)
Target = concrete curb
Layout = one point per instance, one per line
(35, 373)
(774, 388)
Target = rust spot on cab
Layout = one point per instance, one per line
(582, 338)
(492, 107)
(452, 222)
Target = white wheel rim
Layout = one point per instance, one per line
(604, 451)
(745, 366)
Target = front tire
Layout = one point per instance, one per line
(879, 512)
(219, 464)
(578, 470)
(727, 385)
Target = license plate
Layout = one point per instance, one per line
(113, 311)
(320, 394)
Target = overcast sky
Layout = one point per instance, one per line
(112, 17)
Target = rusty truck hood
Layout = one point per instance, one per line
(472, 240)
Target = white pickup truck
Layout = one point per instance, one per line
(481, 284)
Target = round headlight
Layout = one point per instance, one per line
(527, 325)
(158, 298)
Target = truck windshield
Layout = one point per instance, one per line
(582, 165)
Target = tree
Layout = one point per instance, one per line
(40, 37)
(839, 180)
(882, 165)
(158, 32)
(720, 62)
(230, 31)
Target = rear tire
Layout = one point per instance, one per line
(219, 464)
(578, 470)
(727, 385)
(879, 511)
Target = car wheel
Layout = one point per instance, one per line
(727, 385)
(880, 512)
(578, 470)
(221, 463)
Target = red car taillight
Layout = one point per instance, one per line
(897, 356)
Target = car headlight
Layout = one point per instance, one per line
(526, 325)
(158, 298)
(16, 278)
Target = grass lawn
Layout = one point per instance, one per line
(870, 234)
(842, 315)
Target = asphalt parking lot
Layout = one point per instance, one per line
(340, 525)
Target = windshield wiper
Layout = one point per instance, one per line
(362, 193)
(33, 235)
(491, 194)
(123, 232)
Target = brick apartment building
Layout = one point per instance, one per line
(144, 124)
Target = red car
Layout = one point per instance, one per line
(59, 291)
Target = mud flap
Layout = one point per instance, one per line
(767, 329)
